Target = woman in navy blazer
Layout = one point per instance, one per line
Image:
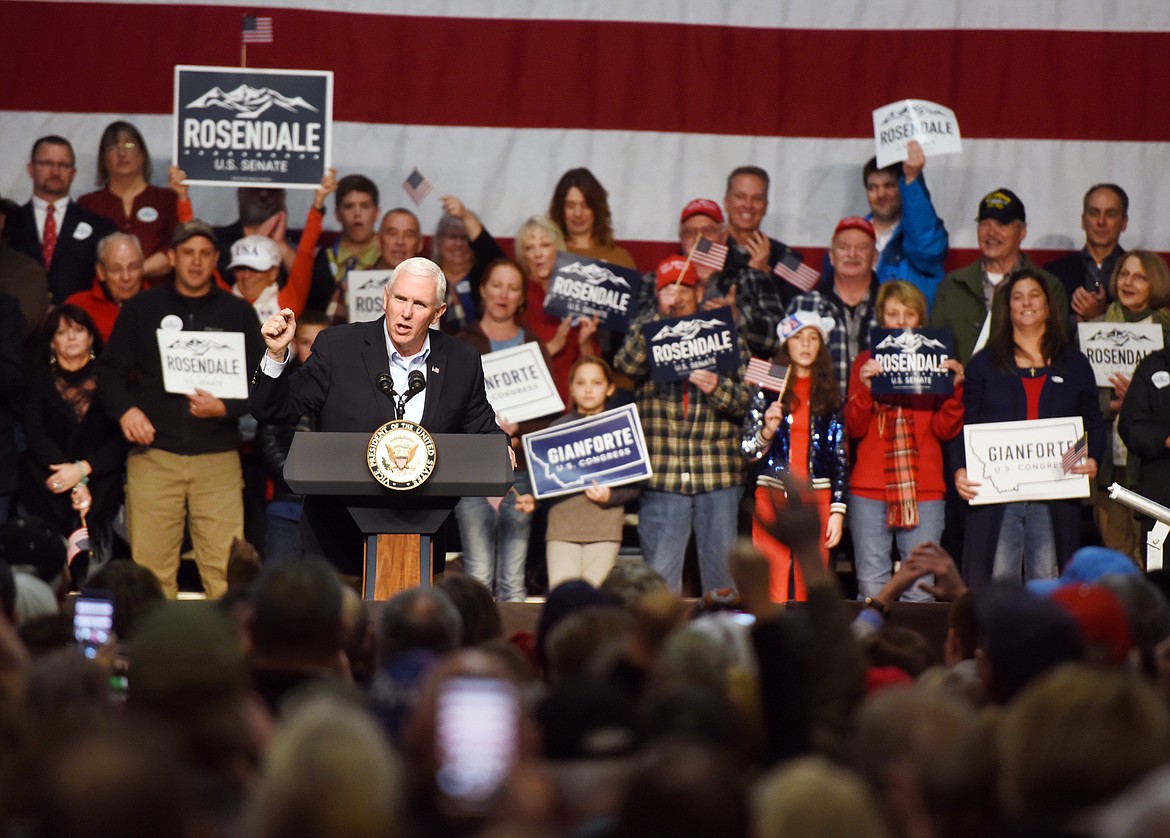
(1026, 371)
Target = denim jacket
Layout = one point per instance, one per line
(828, 465)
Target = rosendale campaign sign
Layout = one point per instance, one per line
(587, 287)
(239, 127)
(1114, 348)
(1022, 460)
(363, 294)
(911, 360)
(677, 346)
(211, 361)
(896, 124)
(608, 448)
(519, 385)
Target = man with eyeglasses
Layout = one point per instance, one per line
(54, 230)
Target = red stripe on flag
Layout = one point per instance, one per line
(1021, 84)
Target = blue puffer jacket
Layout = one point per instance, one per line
(917, 251)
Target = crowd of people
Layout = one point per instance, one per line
(287, 706)
(90, 420)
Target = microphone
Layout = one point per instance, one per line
(386, 386)
(416, 382)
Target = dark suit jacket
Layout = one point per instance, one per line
(74, 258)
(338, 383)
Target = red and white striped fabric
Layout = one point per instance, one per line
(494, 99)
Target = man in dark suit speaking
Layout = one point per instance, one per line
(340, 384)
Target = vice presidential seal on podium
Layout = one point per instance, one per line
(401, 454)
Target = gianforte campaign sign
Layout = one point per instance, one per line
(608, 448)
(677, 346)
(588, 287)
(1022, 460)
(242, 127)
(910, 361)
(1116, 348)
(519, 385)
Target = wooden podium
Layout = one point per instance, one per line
(397, 525)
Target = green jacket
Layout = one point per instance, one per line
(959, 305)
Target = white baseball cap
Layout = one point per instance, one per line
(256, 252)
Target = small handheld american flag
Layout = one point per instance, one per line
(417, 186)
(709, 254)
(256, 30)
(766, 374)
(1075, 455)
(792, 269)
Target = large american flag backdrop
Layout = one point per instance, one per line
(494, 99)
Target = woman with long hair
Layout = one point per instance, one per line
(1028, 370)
(801, 432)
(580, 208)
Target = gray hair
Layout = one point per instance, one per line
(115, 238)
(423, 267)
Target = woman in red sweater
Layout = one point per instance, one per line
(897, 493)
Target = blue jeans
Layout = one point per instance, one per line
(872, 540)
(282, 530)
(664, 527)
(1025, 540)
(495, 543)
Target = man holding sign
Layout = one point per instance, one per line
(174, 374)
(692, 429)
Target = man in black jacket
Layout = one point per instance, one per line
(339, 383)
(186, 466)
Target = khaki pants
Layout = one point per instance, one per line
(569, 560)
(164, 491)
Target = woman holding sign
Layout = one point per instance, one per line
(1140, 288)
(536, 245)
(495, 535)
(800, 432)
(896, 489)
(1027, 371)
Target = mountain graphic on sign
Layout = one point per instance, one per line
(911, 110)
(249, 102)
(370, 284)
(197, 346)
(687, 329)
(910, 342)
(1118, 337)
(593, 274)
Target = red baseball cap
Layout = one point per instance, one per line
(856, 222)
(671, 268)
(701, 206)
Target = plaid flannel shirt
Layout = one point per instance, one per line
(825, 302)
(758, 304)
(698, 452)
